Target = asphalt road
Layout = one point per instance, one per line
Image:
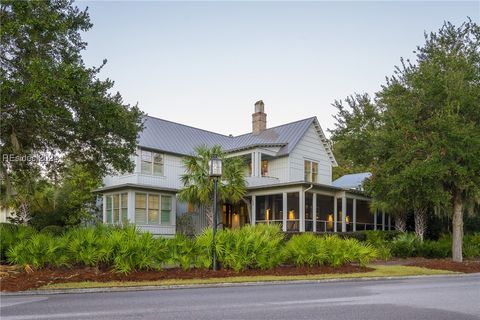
(455, 298)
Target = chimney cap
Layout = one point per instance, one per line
(259, 106)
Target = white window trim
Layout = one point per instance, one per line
(172, 198)
(152, 157)
(311, 162)
(120, 220)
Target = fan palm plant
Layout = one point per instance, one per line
(198, 186)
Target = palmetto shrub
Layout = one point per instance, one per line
(39, 251)
(84, 245)
(126, 249)
(405, 245)
(305, 249)
(249, 247)
(309, 249)
(182, 251)
(11, 234)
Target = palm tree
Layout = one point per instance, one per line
(198, 186)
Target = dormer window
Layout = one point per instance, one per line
(151, 162)
(311, 171)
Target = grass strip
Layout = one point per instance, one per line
(380, 271)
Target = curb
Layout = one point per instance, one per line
(223, 284)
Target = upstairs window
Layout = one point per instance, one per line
(311, 171)
(264, 168)
(151, 162)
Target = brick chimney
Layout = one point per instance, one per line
(259, 118)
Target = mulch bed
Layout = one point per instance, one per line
(468, 266)
(15, 279)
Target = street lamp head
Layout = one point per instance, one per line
(215, 167)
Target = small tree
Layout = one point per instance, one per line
(198, 186)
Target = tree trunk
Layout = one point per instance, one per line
(209, 215)
(249, 209)
(457, 228)
(401, 222)
(420, 216)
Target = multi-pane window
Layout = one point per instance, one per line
(311, 171)
(124, 207)
(140, 208)
(153, 204)
(116, 208)
(314, 171)
(166, 209)
(152, 209)
(151, 162)
(108, 206)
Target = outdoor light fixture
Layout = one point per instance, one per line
(215, 167)
(214, 171)
(347, 219)
(291, 215)
(330, 218)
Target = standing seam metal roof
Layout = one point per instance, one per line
(181, 139)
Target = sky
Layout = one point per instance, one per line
(205, 64)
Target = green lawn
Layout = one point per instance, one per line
(380, 271)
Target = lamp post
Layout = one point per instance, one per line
(214, 171)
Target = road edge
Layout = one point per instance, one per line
(223, 284)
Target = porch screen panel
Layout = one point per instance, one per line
(293, 221)
(166, 209)
(308, 211)
(153, 206)
(141, 208)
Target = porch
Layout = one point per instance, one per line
(314, 208)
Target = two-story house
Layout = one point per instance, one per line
(289, 178)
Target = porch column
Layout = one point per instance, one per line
(254, 167)
(301, 207)
(285, 211)
(335, 213)
(314, 212)
(354, 215)
(258, 164)
(344, 213)
(389, 222)
(104, 206)
(131, 206)
(254, 210)
(383, 220)
(375, 220)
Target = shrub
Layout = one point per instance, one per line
(203, 245)
(249, 247)
(405, 245)
(305, 249)
(182, 251)
(39, 251)
(84, 245)
(53, 230)
(308, 249)
(434, 249)
(10, 235)
(128, 250)
(471, 245)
